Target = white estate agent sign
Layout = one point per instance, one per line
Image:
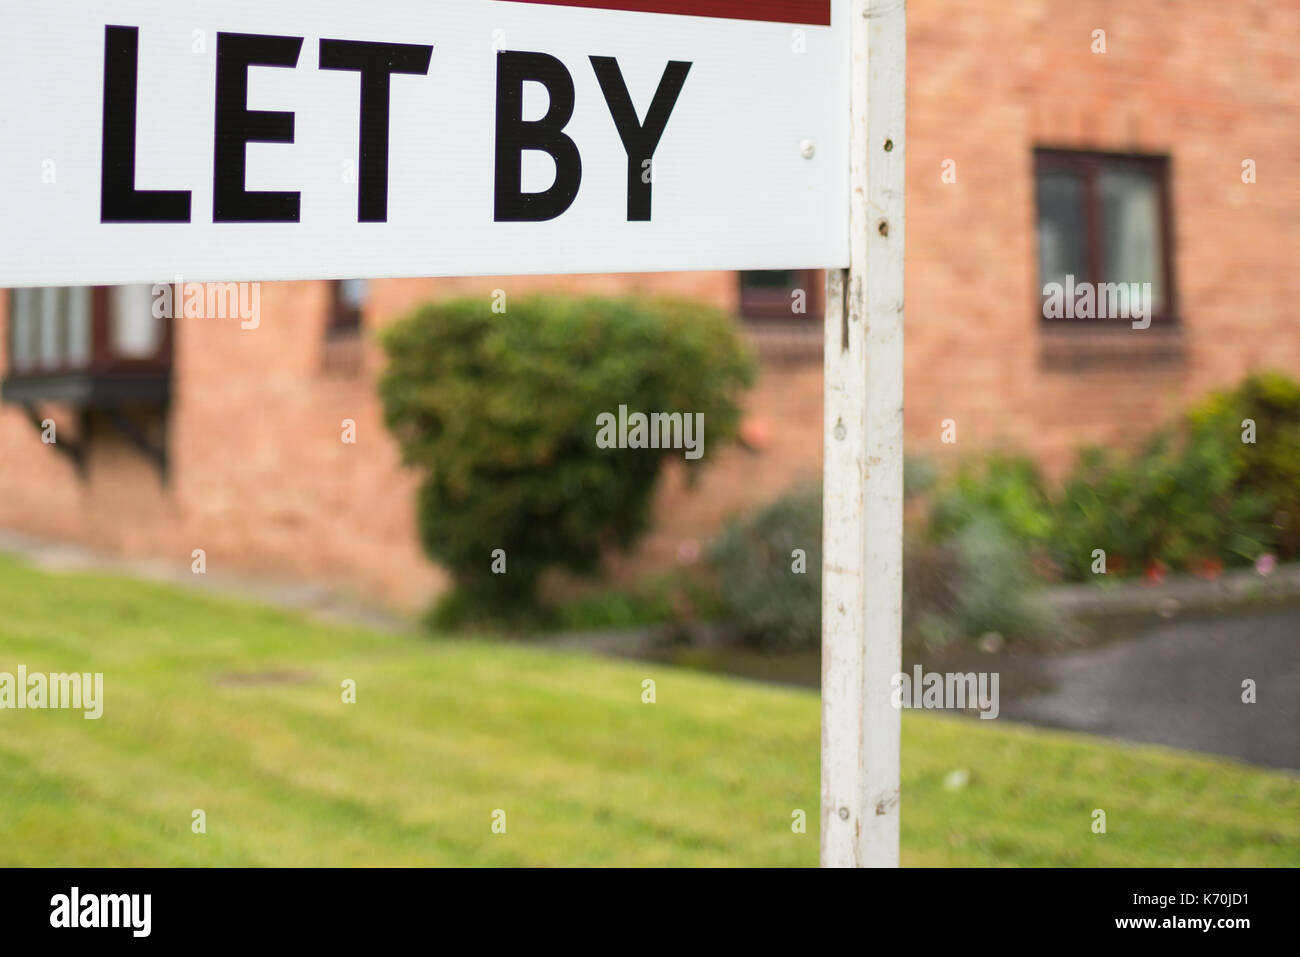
(251, 139)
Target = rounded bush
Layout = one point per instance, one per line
(499, 411)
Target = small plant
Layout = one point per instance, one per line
(1219, 488)
(1197, 496)
(958, 585)
(1009, 487)
(1267, 469)
(768, 568)
(977, 581)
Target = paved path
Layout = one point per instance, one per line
(1178, 683)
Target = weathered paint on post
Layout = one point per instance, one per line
(862, 554)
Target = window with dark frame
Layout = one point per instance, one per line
(347, 305)
(1104, 218)
(103, 351)
(775, 294)
(95, 330)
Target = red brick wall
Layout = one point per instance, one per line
(1207, 83)
(261, 480)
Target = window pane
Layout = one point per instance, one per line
(134, 333)
(768, 279)
(23, 304)
(78, 342)
(347, 306)
(49, 348)
(1062, 246)
(352, 294)
(778, 294)
(1131, 228)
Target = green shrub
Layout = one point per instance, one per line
(1174, 504)
(978, 580)
(1006, 486)
(1266, 471)
(499, 412)
(755, 558)
(1193, 497)
(679, 596)
(957, 586)
(613, 610)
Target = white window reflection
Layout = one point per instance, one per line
(134, 331)
(1131, 229)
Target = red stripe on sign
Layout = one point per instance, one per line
(813, 12)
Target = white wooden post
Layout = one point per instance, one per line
(862, 554)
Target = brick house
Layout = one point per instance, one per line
(1169, 159)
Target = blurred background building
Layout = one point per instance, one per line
(1152, 143)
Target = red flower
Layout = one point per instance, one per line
(1155, 572)
(1208, 568)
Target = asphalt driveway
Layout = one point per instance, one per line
(1178, 683)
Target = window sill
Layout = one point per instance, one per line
(1067, 346)
(790, 340)
(89, 389)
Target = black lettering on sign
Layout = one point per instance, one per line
(514, 135)
(376, 62)
(237, 126)
(119, 200)
(640, 140)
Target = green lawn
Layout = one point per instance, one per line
(236, 709)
